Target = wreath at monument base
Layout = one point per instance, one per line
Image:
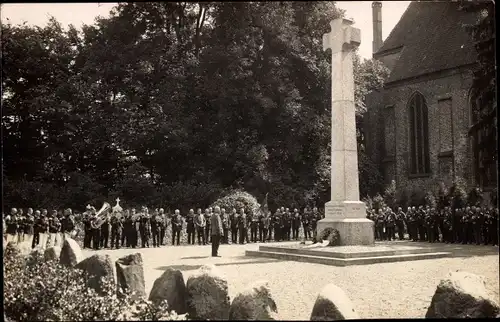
(330, 234)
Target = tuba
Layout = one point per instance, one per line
(101, 216)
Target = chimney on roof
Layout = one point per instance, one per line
(377, 25)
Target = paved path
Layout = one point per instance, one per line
(390, 290)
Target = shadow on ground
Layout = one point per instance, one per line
(197, 266)
(456, 250)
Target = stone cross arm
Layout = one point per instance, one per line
(342, 36)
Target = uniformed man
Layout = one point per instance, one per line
(105, 230)
(36, 229)
(287, 224)
(54, 228)
(116, 230)
(379, 224)
(216, 231)
(295, 224)
(69, 223)
(429, 222)
(176, 227)
(276, 223)
(200, 224)
(208, 231)
(400, 223)
(305, 223)
(493, 227)
(457, 225)
(155, 228)
(28, 226)
(266, 222)
(465, 225)
(254, 222)
(233, 219)
(225, 226)
(477, 225)
(390, 224)
(11, 222)
(242, 226)
(190, 229)
(20, 225)
(316, 216)
(163, 226)
(260, 224)
(145, 227)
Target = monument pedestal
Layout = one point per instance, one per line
(349, 218)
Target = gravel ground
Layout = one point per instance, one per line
(389, 290)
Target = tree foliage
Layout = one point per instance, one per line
(173, 103)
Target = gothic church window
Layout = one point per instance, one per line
(419, 135)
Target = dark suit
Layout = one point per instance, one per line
(216, 232)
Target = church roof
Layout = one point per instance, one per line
(431, 37)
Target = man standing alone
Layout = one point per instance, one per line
(216, 231)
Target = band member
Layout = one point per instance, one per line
(287, 224)
(208, 215)
(95, 230)
(87, 228)
(217, 231)
(11, 222)
(54, 229)
(29, 222)
(135, 228)
(295, 224)
(69, 223)
(400, 225)
(276, 224)
(390, 223)
(316, 216)
(253, 227)
(305, 223)
(105, 230)
(145, 227)
(155, 228)
(266, 222)
(200, 224)
(36, 229)
(116, 230)
(20, 225)
(127, 224)
(190, 227)
(176, 227)
(163, 226)
(242, 226)
(225, 226)
(233, 218)
(260, 224)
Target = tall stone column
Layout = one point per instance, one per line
(344, 211)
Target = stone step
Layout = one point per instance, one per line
(346, 261)
(323, 253)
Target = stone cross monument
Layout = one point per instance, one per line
(344, 211)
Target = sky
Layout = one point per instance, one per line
(85, 13)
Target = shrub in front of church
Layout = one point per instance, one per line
(238, 199)
(37, 290)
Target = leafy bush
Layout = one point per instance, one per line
(442, 196)
(457, 195)
(475, 197)
(378, 202)
(403, 199)
(238, 199)
(417, 198)
(36, 290)
(430, 200)
(390, 194)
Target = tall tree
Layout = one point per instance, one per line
(483, 92)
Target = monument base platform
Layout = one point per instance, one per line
(349, 255)
(352, 231)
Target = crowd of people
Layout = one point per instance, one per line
(142, 229)
(468, 225)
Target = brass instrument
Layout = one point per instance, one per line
(101, 216)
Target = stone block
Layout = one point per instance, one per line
(352, 231)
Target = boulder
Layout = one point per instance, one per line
(71, 253)
(254, 303)
(462, 295)
(208, 297)
(35, 257)
(170, 286)
(333, 304)
(98, 267)
(52, 253)
(130, 275)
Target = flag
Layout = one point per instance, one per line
(263, 206)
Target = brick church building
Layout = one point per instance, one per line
(417, 125)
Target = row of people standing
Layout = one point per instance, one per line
(39, 227)
(466, 225)
(142, 229)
